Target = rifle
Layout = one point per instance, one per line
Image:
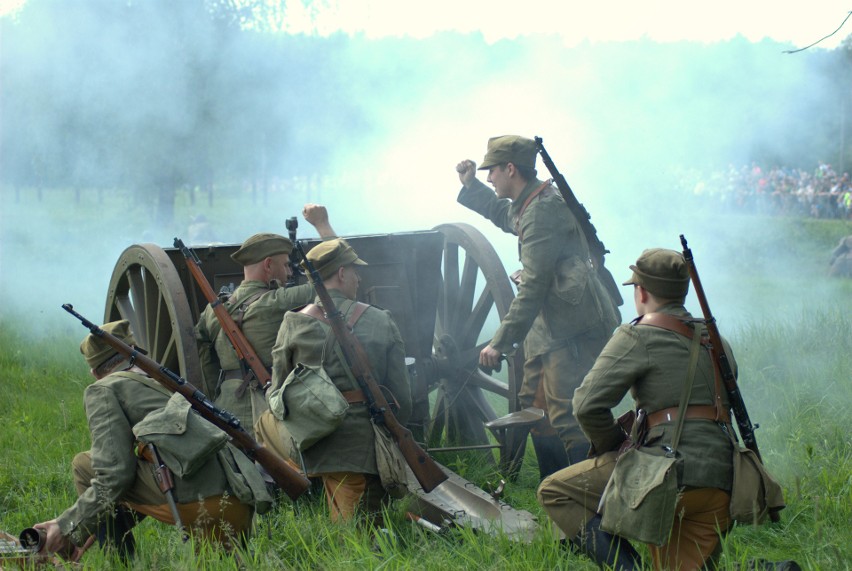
(427, 472)
(245, 352)
(717, 350)
(720, 357)
(289, 480)
(596, 247)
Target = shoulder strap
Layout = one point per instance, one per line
(315, 311)
(526, 203)
(687, 390)
(670, 323)
(145, 380)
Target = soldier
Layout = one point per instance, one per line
(116, 488)
(257, 306)
(650, 358)
(562, 313)
(841, 259)
(346, 459)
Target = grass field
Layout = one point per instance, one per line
(796, 377)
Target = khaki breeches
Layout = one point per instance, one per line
(701, 519)
(555, 376)
(346, 492)
(571, 497)
(216, 518)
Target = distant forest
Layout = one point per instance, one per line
(157, 95)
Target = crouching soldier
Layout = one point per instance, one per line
(215, 491)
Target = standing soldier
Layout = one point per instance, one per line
(346, 458)
(562, 312)
(257, 307)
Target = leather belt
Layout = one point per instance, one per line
(695, 411)
(354, 397)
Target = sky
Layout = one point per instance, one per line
(800, 23)
(582, 128)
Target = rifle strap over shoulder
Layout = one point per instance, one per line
(526, 203)
(679, 326)
(315, 311)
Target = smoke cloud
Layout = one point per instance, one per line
(373, 128)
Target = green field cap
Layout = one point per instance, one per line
(514, 149)
(261, 246)
(96, 351)
(662, 272)
(330, 255)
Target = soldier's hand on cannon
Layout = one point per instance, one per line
(490, 357)
(467, 171)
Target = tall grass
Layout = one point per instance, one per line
(795, 376)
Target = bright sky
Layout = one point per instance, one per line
(801, 23)
(663, 20)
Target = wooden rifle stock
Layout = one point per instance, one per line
(717, 350)
(427, 472)
(288, 479)
(245, 352)
(584, 219)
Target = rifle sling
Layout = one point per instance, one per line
(526, 203)
(715, 412)
(355, 395)
(247, 374)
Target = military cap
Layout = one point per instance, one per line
(519, 151)
(96, 351)
(330, 255)
(261, 246)
(662, 272)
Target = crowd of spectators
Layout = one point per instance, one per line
(781, 191)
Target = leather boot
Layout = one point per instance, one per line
(607, 550)
(115, 532)
(550, 453)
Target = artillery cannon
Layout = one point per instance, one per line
(444, 287)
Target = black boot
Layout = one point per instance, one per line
(606, 549)
(550, 453)
(115, 532)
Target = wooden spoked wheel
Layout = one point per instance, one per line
(474, 296)
(145, 289)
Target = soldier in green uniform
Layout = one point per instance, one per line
(116, 488)
(345, 459)
(650, 358)
(562, 313)
(257, 307)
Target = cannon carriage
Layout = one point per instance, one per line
(445, 287)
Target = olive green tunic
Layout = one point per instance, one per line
(260, 325)
(652, 364)
(560, 296)
(301, 338)
(114, 404)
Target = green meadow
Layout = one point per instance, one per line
(795, 374)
